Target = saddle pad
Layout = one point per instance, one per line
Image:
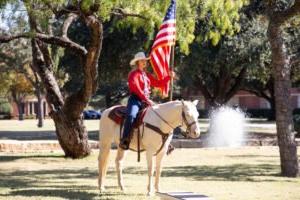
(118, 115)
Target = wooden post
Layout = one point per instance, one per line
(172, 69)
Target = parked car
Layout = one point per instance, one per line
(91, 114)
(296, 119)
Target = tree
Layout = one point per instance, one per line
(259, 80)
(12, 65)
(15, 87)
(219, 71)
(16, 54)
(278, 17)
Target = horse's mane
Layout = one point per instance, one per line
(166, 104)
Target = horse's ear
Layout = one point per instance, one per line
(195, 102)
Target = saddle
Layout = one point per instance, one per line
(118, 115)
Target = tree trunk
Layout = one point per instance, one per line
(18, 100)
(285, 131)
(20, 110)
(40, 113)
(72, 135)
(70, 131)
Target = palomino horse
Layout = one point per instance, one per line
(164, 117)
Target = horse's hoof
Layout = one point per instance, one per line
(150, 194)
(102, 189)
(123, 189)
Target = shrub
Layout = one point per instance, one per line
(4, 107)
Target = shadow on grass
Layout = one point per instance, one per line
(63, 193)
(43, 175)
(57, 184)
(49, 183)
(236, 172)
(9, 158)
(37, 135)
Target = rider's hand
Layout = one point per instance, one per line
(150, 103)
(173, 74)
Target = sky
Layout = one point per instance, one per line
(10, 14)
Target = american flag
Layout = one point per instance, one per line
(161, 48)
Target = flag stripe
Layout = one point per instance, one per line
(165, 37)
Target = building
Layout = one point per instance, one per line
(29, 108)
(245, 100)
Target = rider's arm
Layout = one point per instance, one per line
(135, 87)
(157, 83)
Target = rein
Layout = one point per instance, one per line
(166, 122)
(183, 120)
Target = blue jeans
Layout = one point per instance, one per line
(133, 107)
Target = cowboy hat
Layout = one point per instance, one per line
(138, 56)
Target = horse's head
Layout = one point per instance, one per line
(190, 119)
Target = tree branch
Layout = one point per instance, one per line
(283, 16)
(50, 39)
(7, 38)
(58, 12)
(71, 17)
(237, 84)
(203, 89)
(123, 14)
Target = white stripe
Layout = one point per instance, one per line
(162, 53)
(165, 30)
(157, 60)
(171, 21)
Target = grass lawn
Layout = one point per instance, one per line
(225, 174)
(29, 127)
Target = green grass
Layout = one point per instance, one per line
(225, 174)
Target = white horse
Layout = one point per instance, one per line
(164, 116)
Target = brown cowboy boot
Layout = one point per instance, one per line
(124, 143)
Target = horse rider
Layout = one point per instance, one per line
(139, 82)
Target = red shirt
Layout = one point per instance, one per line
(137, 83)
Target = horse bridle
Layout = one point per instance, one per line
(184, 120)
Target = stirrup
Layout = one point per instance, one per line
(124, 143)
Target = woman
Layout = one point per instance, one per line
(139, 82)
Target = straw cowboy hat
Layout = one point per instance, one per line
(138, 56)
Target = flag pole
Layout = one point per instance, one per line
(172, 69)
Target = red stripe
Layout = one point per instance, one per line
(167, 55)
(159, 63)
(167, 25)
(165, 34)
(164, 43)
(160, 57)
